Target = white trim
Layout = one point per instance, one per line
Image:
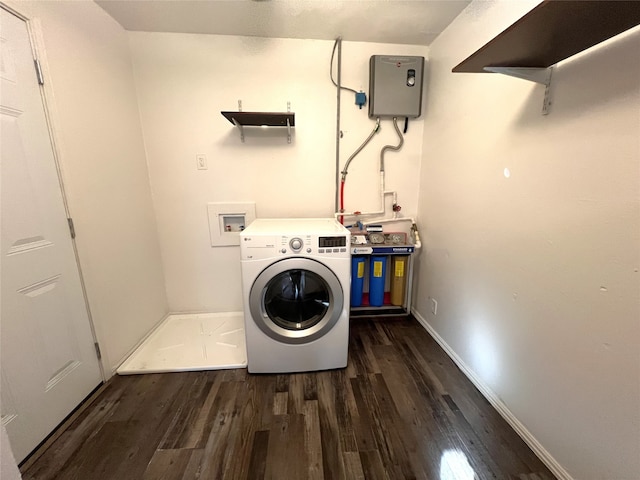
(16, 8)
(498, 404)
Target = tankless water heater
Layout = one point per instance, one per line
(395, 86)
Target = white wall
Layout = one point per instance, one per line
(92, 97)
(536, 275)
(183, 83)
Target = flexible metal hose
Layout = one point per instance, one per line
(392, 147)
(359, 149)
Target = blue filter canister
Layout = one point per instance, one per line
(357, 280)
(377, 274)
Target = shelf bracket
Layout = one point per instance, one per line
(237, 124)
(532, 74)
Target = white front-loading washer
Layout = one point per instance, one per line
(296, 277)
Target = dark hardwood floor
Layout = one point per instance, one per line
(400, 410)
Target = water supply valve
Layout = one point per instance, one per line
(396, 208)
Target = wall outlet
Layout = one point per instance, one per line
(201, 161)
(434, 306)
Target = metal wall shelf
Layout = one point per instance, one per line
(553, 31)
(261, 119)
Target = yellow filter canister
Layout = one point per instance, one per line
(398, 279)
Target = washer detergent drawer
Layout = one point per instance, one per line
(296, 300)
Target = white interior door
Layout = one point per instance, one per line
(48, 360)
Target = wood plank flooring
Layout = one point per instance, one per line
(400, 410)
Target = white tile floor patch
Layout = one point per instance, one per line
(203, 341)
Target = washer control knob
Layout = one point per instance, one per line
(295, 244)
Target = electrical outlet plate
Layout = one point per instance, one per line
(434, 306)
(227, 220)
(201, 161)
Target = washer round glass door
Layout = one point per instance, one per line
(296, 300)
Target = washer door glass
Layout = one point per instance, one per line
(296, 300)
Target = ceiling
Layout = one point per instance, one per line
(416, 22)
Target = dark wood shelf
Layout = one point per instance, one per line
(553, 31)
(261, 119)
(258, 119)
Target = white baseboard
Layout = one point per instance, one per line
(498, 404)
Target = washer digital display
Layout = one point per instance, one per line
(327, 242)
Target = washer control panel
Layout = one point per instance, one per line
(268, 238)
(312, 244)
(254, 247)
